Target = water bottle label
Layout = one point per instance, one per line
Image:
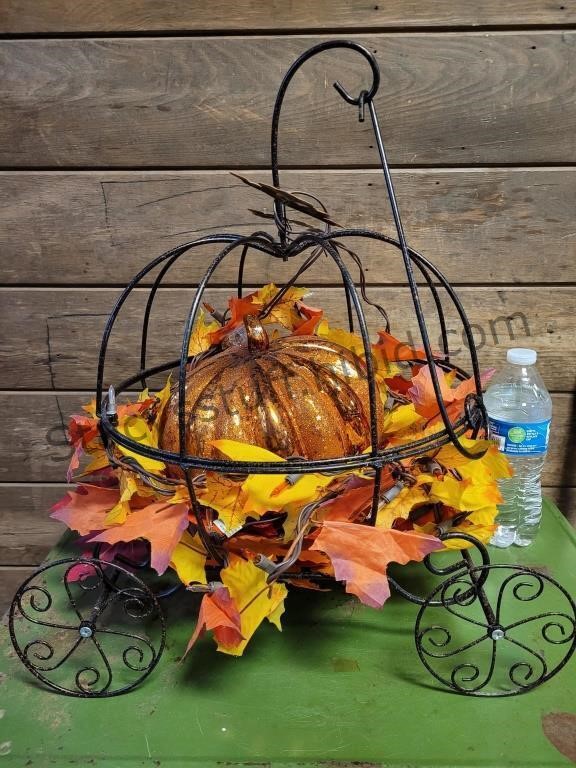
(520, 439)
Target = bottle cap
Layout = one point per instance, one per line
(521, 356)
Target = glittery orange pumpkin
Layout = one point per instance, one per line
(295, 395)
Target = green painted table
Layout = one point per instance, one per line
(340, 686)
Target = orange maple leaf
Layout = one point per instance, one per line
(312, 317)
(394, 350)
(350, 505)
(85, 509)
(360, 555)
(239, 308)
(424, 397)
(354, 502)
(218, 613)
(84, 435)
(161, 523)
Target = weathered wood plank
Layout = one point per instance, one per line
(10, 580)
(53, 16)
(26, 531)
(461, 99)
(82, 228)
(49, 338)
(33, 446)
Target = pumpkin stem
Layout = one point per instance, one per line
(255, 333)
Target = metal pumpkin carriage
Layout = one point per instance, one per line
(75, 605)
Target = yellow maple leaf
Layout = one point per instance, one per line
(118, 514)
(450, 456)
(480, 524)
(162, 400)
(121, 510)
(253, 597)
(200, 338)
(263, 493)
(415, 432)
(99, 461)
(400, 418)
(497, 462)
(90, 408)
(344, 338)
(188, 559)
(484, 515)
(239, 451)
(225, 496)
(275, 616)
(464, 495)
(385, 368)
(400, 506)
(137, 429)
(284, 312)
(179, 496)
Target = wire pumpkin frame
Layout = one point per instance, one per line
(466, 582)
(332, 243)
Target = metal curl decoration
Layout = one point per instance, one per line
(510, 661)
(104, 660)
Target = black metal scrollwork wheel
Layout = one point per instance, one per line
(87, 627)
(496, 630)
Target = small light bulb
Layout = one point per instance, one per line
(111, 410)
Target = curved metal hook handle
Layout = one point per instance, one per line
(364, 97)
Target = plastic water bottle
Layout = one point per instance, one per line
(519, 413)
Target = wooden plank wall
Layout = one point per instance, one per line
(120, 122)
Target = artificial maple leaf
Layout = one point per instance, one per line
(464, 495)
(361, 554)
(201, 338)
(481, 524)
(400, 418)
(138, 430)
(392, 350)
(450, 456)
(415, 432)
(312, 318)
(239, 309)
(288, 198)
(160, 402)
(133, 552)
(261, 492)
(493, 461)
(344, 338)
(255, 599)
(130, 486)
(401, 382)
(400, 506)
(422, 391)
(189, 559)
(98, 462)
(218, 613)
(257, 545)
(424, 397)
(159, 523)
(84, 435)
(85, 509)
(82, 429)
(350, 505)
(285, 311)
(225, 496)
